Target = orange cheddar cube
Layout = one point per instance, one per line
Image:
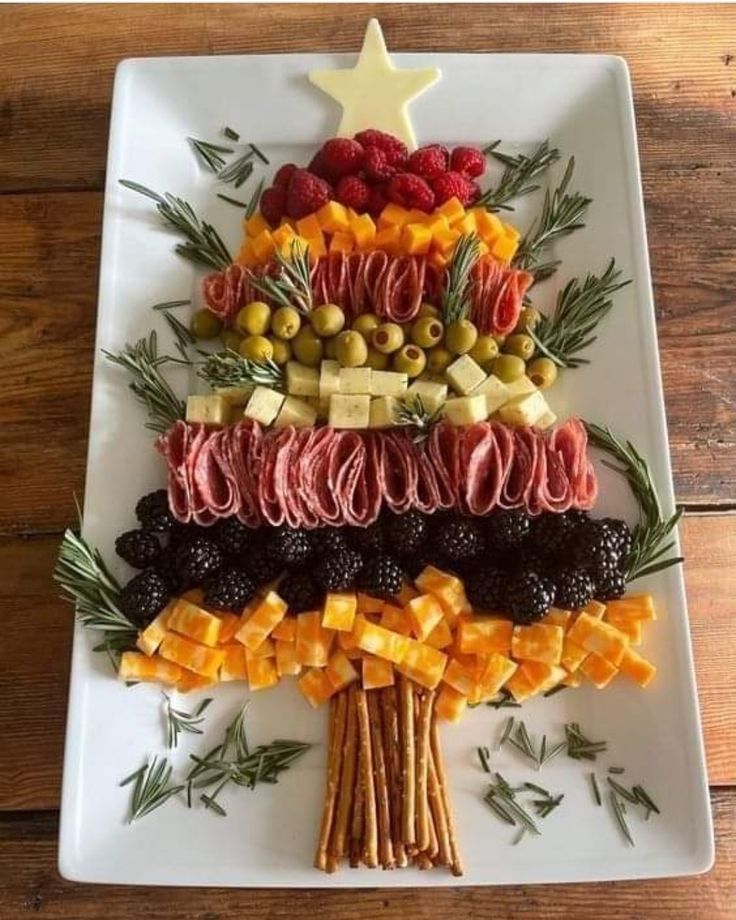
(246, 256)
(520, 687)
(377, 672)
(634, 629)
(492, 673)
(229, 624)
(572, 680)
(267, 649)
(395, 619)
(638, 669)
(341, 242)
(600, 637)
(340, 671)
(504, 248)
(261, 623)
(368, 604)
(467, 225)
(424, 613)
(422, 663)
(333, 217)
(599, 670)
(194, 596)
(437, 222)
(364, 231)
(286, 630)
(263, 246)
(153, 635)
(557, 617)
(135, 666)
(381, 642)
(633, 607)
(316, 687)
(189, 681)
(441, 635)
(443, 240)
(313, 641)
(489, 226)
(416, 239)
(542, 677)
(537, 643)
(233, 664)
(189, 620)
(284, 234)
(461, 677)
(450, 704)
(256, 224)
(339, 611)
(573, 655)
(309, 226)
(388, 239)
(483, 635)
(406, 594)
(511, 232)
(393, 215)
(452, 209)
(262, 672)
(595, 609)
(287, 664)
(191, 655)
(317, 246)
(348, 642)
(437, 260)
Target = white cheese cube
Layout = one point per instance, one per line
(523, 410)
(208, 410)
(235, 396)
(466, 410)
(329, 379)
(301, 380)
(264, 405)
(546, 420)
(296, 412)
(349, 411)
(465, 374)
(356, 380)
(388, 383)
(383, 411)
(495, 391)
(520, 387)
(432, 395)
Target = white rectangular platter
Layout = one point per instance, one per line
(583, 104)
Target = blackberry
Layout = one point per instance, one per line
(326, 540)
(183, 533)
(368, 539)
(153, 512)
(506, 529)
(230, 589)
(338, 572)
(405, 534)
(291, 545)
(145, 595)
(620, 532)
(262, 565)
(551, 534)
(595, 547)
(459, 540)
(574, 589)
(166, 568)
(138, 548)
(381, 576)
(610, 584)
(197, 560)
(413, 565)
(531, 559)
(233, 537)
(528, 597)
(577, 517)
(487, 589)
(301, 591)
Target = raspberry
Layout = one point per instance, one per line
(453, 184)
(429, 162)
(469, 161)
(283, 175)
(273, 204)
(317, 166)
(411, 191)
(376, 165)
(353, 193)
(377, 201)
(307, 193)
(341, 157)
(395, 150)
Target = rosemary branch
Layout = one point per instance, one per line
(455, 297)
(209, 154)
(415, 414)
(229, 369)
(151, 788)
(519, 173)
(178, 721)
(292, 286)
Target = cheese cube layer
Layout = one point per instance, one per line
(208, 410)
(264, 405)
(355, 380)
(465, 375)
(466, 410)
(432, 395)
(296, 412)
(349, 411)
(388, 383)
(520, 386)
(329, 379)
(383, 411)
(301, 380)
(495, 391)
(523, 411)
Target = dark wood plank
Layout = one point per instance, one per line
(34, 658)
(29, 882)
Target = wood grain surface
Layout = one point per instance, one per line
(56, 69)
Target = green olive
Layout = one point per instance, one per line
(520, 345)
(254, 318)
(485, 351)
(387, 338)
(438, 358)
(410, 360)
(285, 323)
(256, 348)
(330, 347)
(281, 350)
(528, 319)
(427, 309)
(427, 332)
(376, 360)
(231, 339)
(307, 347)
(365, 324)
(327, 320)
(351, 349)
(509, 368)
(460, 336)
(205, 325)
(542, 372)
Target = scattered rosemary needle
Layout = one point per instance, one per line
(260, 154)
(595, 788)
(618, 812)
(210, 154)
(230, 369)
(230, 133)
(292, 286)
(456, 293)
(178, 721)
(238, 171)
(579, 747)
(518, 175)
(170, 304)
(504, 701)
(233, 201)
(254, 200)
(183, 334)
(151, 789)
(483, 756)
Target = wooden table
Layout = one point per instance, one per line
(56, 68)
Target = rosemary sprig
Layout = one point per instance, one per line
(579, 309)
(618, 811)
(143, 363)
(170, 304)
(517, 735)
(502, 799)
(178, 721)
(151, 788)
(229, 369)
(651, 536)
(414, 414)
(203, 244)
(291, 287)
(456, 294)
(518, 175)
(238, 171)
(183, 334)
(580, 747)
(209, 154)
(254, 200)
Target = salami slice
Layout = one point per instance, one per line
(398, 473)
(245, 447)
(348, 478)
(224, 292)
(555, 490)
(483, 473)
(173, 445)
(428, 497)
(214, 478)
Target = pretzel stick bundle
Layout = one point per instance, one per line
(390, 721)
(338, 710)
(408, 765)
(338, 842)
(383, 803)
(370, 819)
(456, 866)
(425, 701)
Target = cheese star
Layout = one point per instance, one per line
(374, 94)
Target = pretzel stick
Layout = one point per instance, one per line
(423, 861)
(347, 779)
(408, 791)
(438, 813)
(333, 864)
(357, 818)
(456, 866)
(370, 839)
(334, 756)
(426, 701)
(385, 848)
(393, 769)
(434, 846)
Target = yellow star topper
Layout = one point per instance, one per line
(374, 94)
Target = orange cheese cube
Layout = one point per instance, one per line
(452, 209)
(461, 677)
(316, 686)
(339, 611)
(638, 669)
(284, 234)
(381, 642)
(600, 637)
(233, 664)
(256, 224)
(599, 670)
(466, 225)
(340, 671)
(368, 604)
(246, 256)
(286, 661)
(261, 623)
(417, 216)
(519, 686)
(153, 635)
(313, 641)
(444, 240)
(424, 613)
(448, 590)
(492, 674)
(504, 248)
(348, 642)
(450, 704)
(229, 625)
(557, 617)
(482, 635)
(191, 655)
(572, 680)
(317, 246)
(422, 663)
(293, 247)
(135, 666)
(194, 596)
(441, 635)
(573, 655)
(542, 677)
(633, 607)
(395, 619)
(341, 242)
(632, 628)
(511, 232)
(483, 249)
(437, 222)
(416, 239)
(189, 681)
(489, 226)
(406, 594)
(595, 609)
(364, 230)
(377, 672)
(263, 246)
(537, 643)
(393, 215)
(388, 239)
(267, 649)
(437, 260)
(286, 630)
(309, 226)
(333, 217)
(262, 672)
(189, 620)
